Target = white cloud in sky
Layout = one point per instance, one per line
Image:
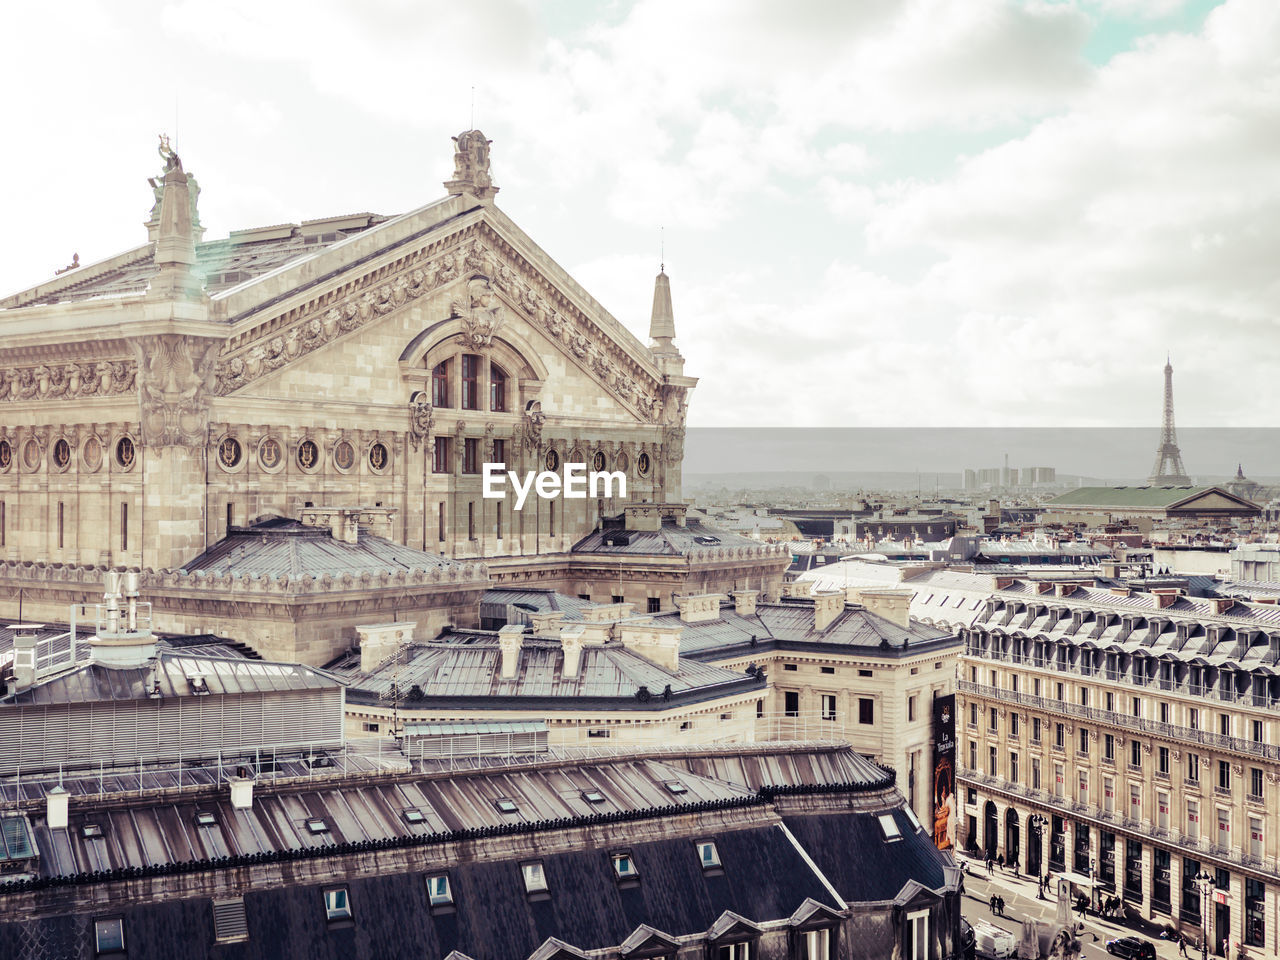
(919, 212)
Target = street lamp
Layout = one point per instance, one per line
(1204, 878)
(1038, 823)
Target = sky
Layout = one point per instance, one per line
(910, 213)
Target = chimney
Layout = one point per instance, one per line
(700, 608)
(24, 654)
(827, 605)
(797, 588)
(892, 604)
(241, 792)
(744, 602)
(57, 803)
(571, 642)
(379, 642)
(510, 639)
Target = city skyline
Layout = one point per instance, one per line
(988, 214)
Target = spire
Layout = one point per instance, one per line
(662, 323)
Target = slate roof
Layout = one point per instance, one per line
(282, 547)
(791, 623)
(93, 682)
(224, 263)
(672, 540)
(514, 605)
(53, 646)
(1137, 497)
(467, 666)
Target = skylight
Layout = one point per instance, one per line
(593, 796)
(915, 821)
(675, 786)
(889, 826)
(535, 880)
(90, 830)
(414, 815)
(624, 866)
(205, 819)
(317, 825)
(708, 855)
(506, 806)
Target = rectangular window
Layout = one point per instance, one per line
(1084, 742)
(470, 382)
(61, 517)
(864, 673)
(535, 880)
(1013, 724)
(1083, 787)
(497, 390)
(617, 598)
(1224, 774)
(1059, 691)
(1164, 712)
(337, 905)
(1135, 754)
(1162, 761)
(1257, 724)
(1059, 735)
(229, 923)
(1108, 795)
(1137, 706)
(828, 707)
(231, 515)
(654, 605)
(991, 723)
(108, 935)
(1035, 686)
(1193, 718)
(1035, 729)
(624, 868)
(438, 891)
(1135, 801)
(471, 455)
(1224, 724)
(440, 456)
(1108, 746)
(1255, 783)
(734, 951)
(866, 710)
(829, 670)
(499, 451)
(791, 703)
(440, 384)
(551, 518)
(790, 666)
(1193, 819)
(1193, 767)
(2, 523)
(370, 728)
(992, 761)
(817, 945)
(973, 755)
(708, 856)
(1224, 827)
(917, 936)
(911, 709)
(1013, 766)
(124, 526)
(1059, 778)
(471, 520)
(498, 518)
(440, 519)
(973, 714)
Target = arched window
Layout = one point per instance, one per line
(440, 384)
(470, 382)
(497, 389)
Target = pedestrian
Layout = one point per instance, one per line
(1182, 945)
(992, 904)
(1000, 861)
(991, 866)
(1000, 906)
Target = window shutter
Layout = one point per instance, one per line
(229, 922)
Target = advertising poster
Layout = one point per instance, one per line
(944, 771)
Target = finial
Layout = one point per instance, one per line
(471, 166)
(662, 249)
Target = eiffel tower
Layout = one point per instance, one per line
(1168, 470)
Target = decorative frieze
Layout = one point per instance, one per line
(68, 381)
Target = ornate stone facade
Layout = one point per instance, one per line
(276, 370)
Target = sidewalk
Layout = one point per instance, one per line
(1002, 883)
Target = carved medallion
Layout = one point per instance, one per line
(597, 462)
(270, 453)
(643, 465)
(61, 453)
(91, 454)
(125, 453)
(6, 455)
(344, 455)
(622, 461)
(378, 457)
(31, 454)
(553, 460)
(229, 452)
(308, 455)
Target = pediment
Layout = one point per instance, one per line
(481, 276)
(1214, 499)
(915, 894)
(730, 924)
(646, 939)
(553, 949)
(811, 911)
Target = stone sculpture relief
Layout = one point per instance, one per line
(480, 311)
(67, 381)
(174, 377)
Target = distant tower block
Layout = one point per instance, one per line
(1168, 470)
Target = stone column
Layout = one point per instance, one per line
(1235, 899)
(1175, 886)
(1148, 877)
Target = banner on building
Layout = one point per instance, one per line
(945, 807)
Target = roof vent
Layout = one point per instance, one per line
(57, 802)
(241, 793)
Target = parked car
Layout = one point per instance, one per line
(1134, 947)
(968, 942)
(992, 941)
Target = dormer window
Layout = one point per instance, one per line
(915, 821)
(108, 936)
(816, 944)
(708, 855)
(337, 904)
(734, 951)
(506, 806)
(91, 831)
(889, 827)
(438, 891)
(624, 867)
(535, 879)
